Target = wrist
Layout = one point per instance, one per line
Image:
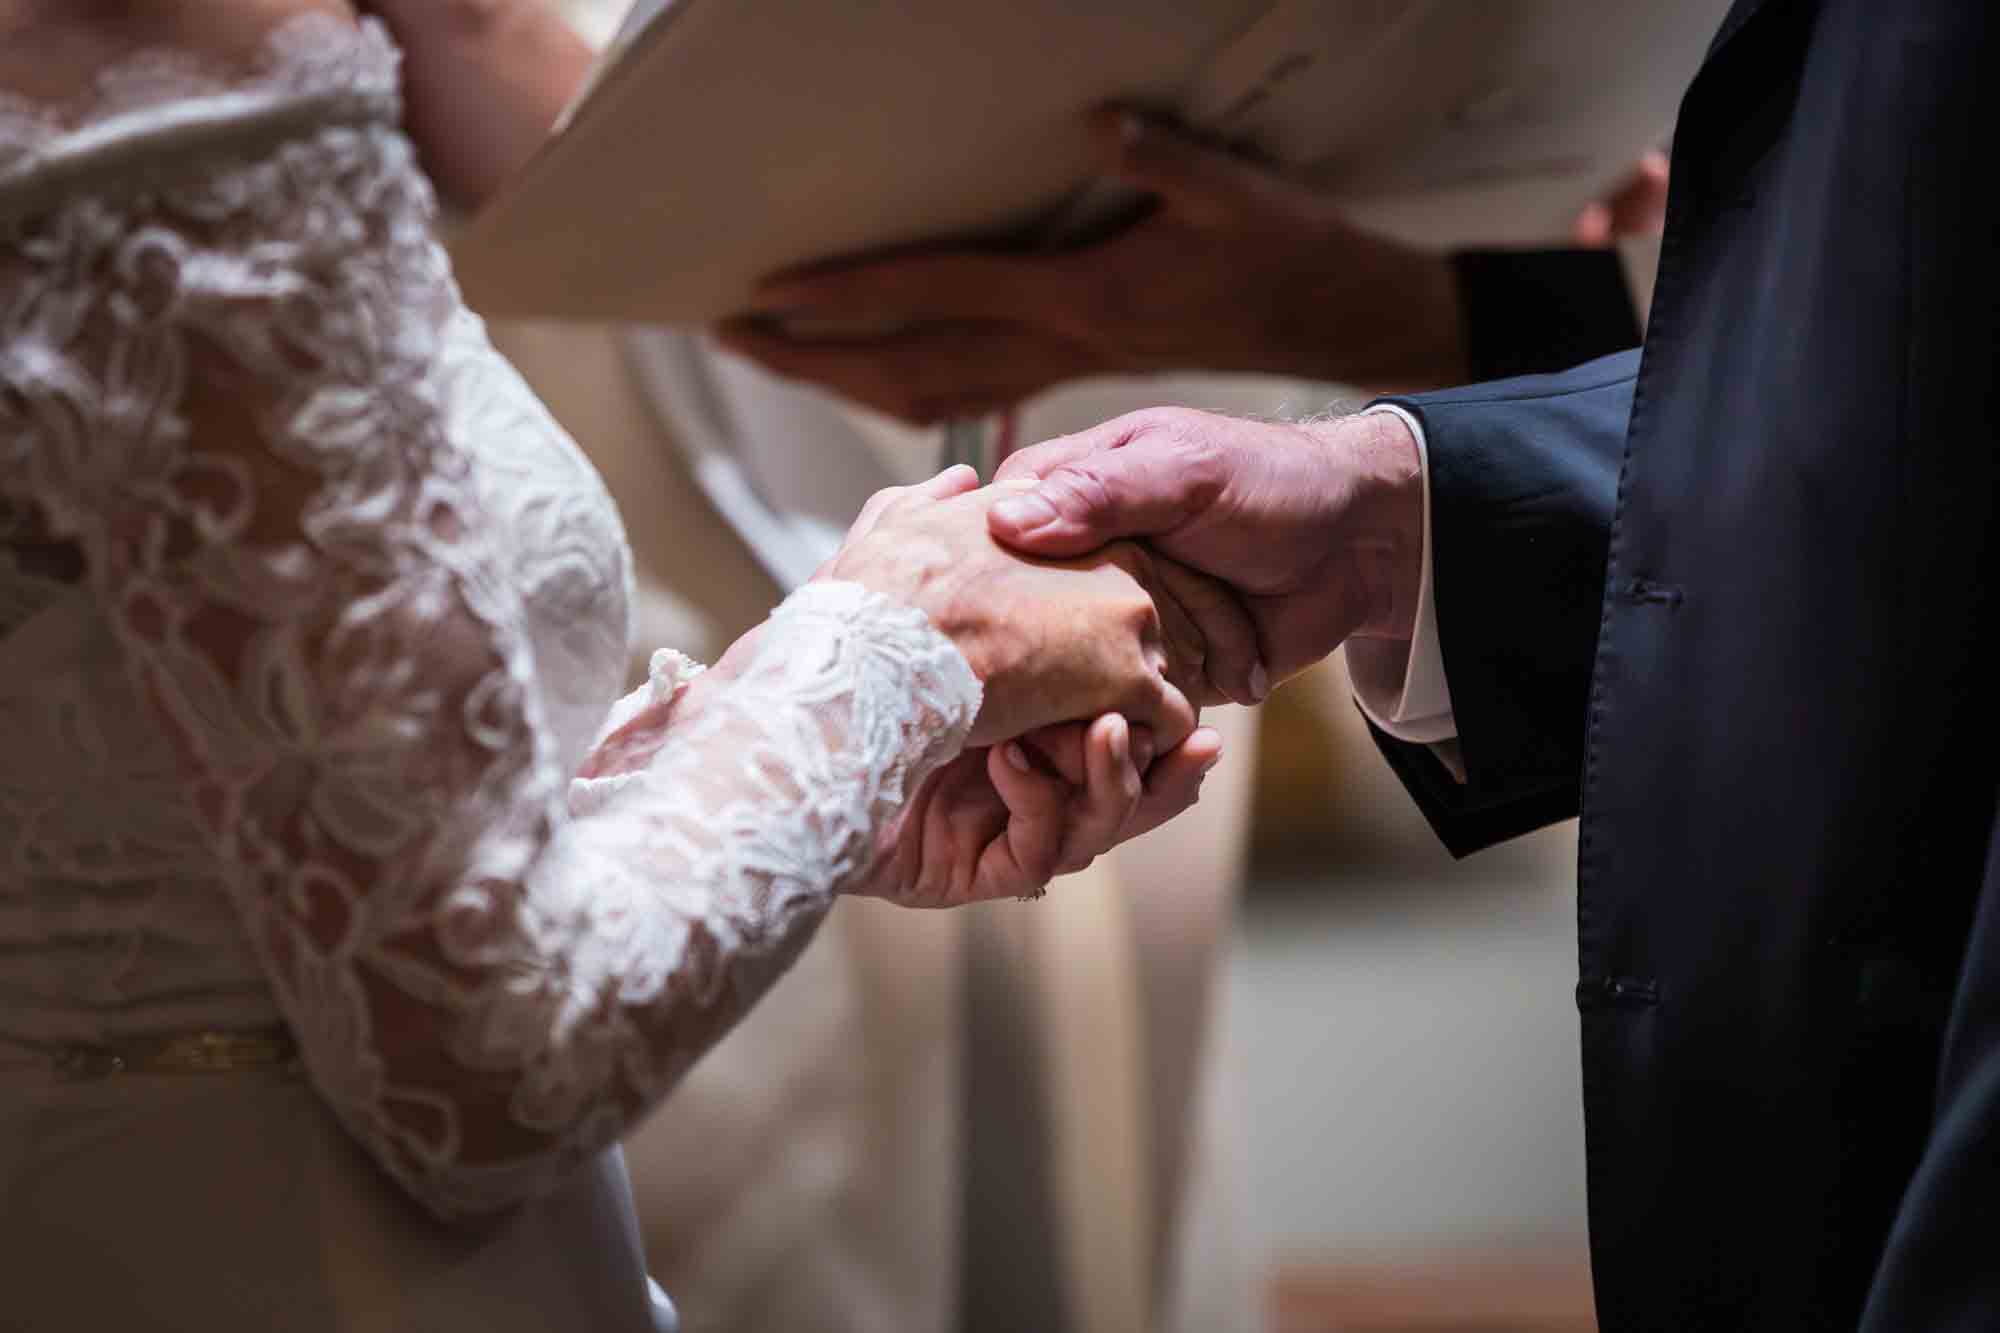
(1379, 482)
(914, 570)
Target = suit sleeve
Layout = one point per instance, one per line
(1523, 481)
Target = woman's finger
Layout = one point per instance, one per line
(1054, 827)
(1155, 702)
(1023, 858)
(1060, 748)
(954, 481)
(1101, 812)
(871, 511)
(1174, 782)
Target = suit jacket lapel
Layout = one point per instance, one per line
(1742, 16)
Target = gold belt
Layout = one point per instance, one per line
(252, 1050)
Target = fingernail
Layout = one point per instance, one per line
(1142, 749)
(1025, 513)
(1121, 743)
(1260, 683)
(1016, 757)
(1208, 766)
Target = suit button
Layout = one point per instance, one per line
(1618, 992)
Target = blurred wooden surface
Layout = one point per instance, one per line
(1533, 1292)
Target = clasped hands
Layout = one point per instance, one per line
(1104, 589)
(1264, 545)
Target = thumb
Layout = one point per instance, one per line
(1206, 184)
(1138, 481)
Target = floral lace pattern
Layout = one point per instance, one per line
(312, 59)
(369, 607)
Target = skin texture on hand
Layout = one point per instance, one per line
(1002, 822)
(1004, 818)
(1316, 528)
(998, 821)
(1111, 629)
(1235, 268)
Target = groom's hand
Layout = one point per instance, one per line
(1116, 629)
(1318, 527)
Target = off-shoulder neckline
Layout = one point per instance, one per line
(315, 65)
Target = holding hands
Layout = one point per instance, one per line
(1093, 669)
(1175, 558)
(1265, 545)
(1316, 528)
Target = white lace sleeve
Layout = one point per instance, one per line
(226, 392)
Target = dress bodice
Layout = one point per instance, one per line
(112, 926)
(324, 728)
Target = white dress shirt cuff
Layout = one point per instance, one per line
(1401, 686)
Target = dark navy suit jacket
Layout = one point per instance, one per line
(1734, 597)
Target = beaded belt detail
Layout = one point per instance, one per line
(254, 1050)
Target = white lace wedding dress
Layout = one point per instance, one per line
(309, 615)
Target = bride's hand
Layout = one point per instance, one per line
(1118, 635)
(1118, 631)
(1002, 822)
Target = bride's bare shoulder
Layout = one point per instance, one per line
(52, 50)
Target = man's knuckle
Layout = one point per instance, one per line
(1146, 691)
(1204, 468)
(1078, 489)
(1135, 613)
(1155, 422)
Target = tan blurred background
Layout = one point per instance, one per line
(1403, 1035)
